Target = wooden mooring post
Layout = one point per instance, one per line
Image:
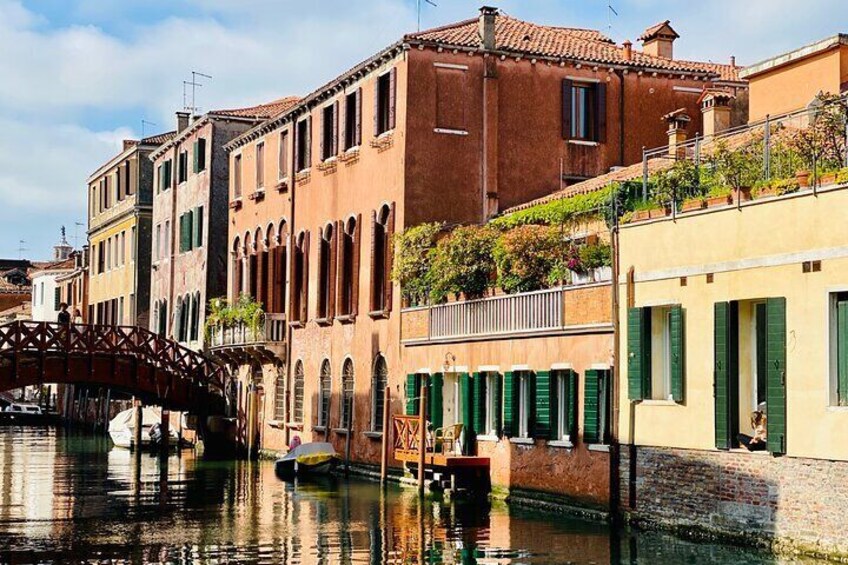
(166, 432)
(137, 425)
(422, 437)
(387, 426)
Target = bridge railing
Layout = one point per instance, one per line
(126, 341)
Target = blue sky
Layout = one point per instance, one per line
(78, 76)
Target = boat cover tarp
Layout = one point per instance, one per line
(310, 453)
(126, 419)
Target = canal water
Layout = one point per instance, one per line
(71, 497)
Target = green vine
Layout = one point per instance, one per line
(245, 312)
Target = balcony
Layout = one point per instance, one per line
(555, 311)
(241, 344)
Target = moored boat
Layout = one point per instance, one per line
(309, 459)
(122, 427)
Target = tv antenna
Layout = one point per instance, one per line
(145, 123)
(610, 13)
(78, 225)
(193, 84)
(419, 10)
(21, 248)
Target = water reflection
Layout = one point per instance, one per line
(71, 497)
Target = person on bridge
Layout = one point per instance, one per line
(64, 316)
(78, 316)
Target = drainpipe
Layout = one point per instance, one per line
(287, 269)
(169, 331)
(615, 448)
(621, 114)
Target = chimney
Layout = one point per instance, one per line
(677, 122)
(182, 121)
(658, 40)
(715, 110)
(486, 27)
(627, 50)
(129, 143)
(733, 61)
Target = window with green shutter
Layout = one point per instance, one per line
(413, 388)
(478, 381)
(639, 353)
(678, 357)
(198, 227)
(198, 155)
(466, 391)
(776, 374)
(435, 400)
(545, 417)
(564, 404)
(840, 347)
(510, 404)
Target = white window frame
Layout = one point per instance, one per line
(661, 353)
(562, 397)
(492, 405)
(831, 350)
(524, 404)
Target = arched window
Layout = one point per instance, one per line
(326, 273)
(346, 405)
(280, 393)
(382, 226)
(278, 256)
(324, 392)
(237, 269)
(379, 379)
(300, 276)
(195, 317)
(349, 267)
(299, 379)
(163, 318)
(178, 319)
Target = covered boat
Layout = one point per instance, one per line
(122, 426)
(308, 459)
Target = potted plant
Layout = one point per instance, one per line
(719, 196)
(738, 169)
(596, 259)
(697, 203)
(803, 178)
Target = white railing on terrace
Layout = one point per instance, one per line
(272, 331)
(511, 313)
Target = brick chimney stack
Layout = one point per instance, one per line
(129, 143)
(658, 40)
(715, 108)
(182, 121)
(486, 27)
(677, 122)
(627, 50)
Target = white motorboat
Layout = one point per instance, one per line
(122, 427)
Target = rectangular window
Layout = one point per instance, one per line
(303, 142)
(328, 132)
(525, 402)
(167, 238)
(57, 297)
(491, 423)
(384, 103)
(353, 120)
(237, 177)
(260, 166)
(157, 248)
(565, 402)
(197, 226)
(199, 155)
(655, 360)
(132, 243)
(182, 167)
(119, 195)
(109, 254)
(582, 112)
(122, 248)
(839, 349)
(282, 155)
(165, 176)
(128, 178)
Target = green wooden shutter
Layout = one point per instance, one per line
(776, 374)
(436, 411)
(466, 389)
(678, 358)
(198, 226)
(545, 423)
(510, 405)
(639, 353)
(412, 389)
(571, 405)
(721, 371)
(195, 156)
(591, 408)
(499, 403)
(479, 382)
(842, 351)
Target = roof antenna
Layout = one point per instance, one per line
(194, 84)
(21, 248)
(610, 13)
(145, 123)
(419, 10)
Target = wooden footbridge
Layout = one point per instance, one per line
(131, 359)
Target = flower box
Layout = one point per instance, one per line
(694, 204)
(827, 179)
(602, 274)
(803, 178)
(718, 201)
(742, 195)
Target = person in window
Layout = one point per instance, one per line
(64, 317)
(758, 442)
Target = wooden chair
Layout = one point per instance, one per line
(448, 436)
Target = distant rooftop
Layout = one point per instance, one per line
(791, 56)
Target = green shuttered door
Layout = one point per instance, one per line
(638, 353)
(412, 388)
(842, 351)
(721, 371)
(510, 403)
(435, 400)
(678, 361)
(545, 406)
(479, 402)
(776, 374)
(466, 389)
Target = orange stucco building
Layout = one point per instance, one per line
(454, 124)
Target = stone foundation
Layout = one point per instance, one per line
(785, 504)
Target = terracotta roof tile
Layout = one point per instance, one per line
(159, 138)
(261, 111)
(520, 37)
(654, 30)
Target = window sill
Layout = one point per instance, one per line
(258, 195)
(295, 426)
(283, 184)
(350, 154)
(522, 440)
(449, 131)
(324, 321)
(598, 447)
(373, 435)
(379, 314)
(346, 318)
(341, 431)
(297, 324)
(236, 204)
(583, 142)
(320, 429)
(383, 141)
(488, 438)
(302, 176)
(659, 403)
(566, 444)
(328, 166)
(276, 424)
(748, 452)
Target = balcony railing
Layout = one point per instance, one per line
(272, 331)
(544, 311)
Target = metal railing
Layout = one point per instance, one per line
(272, 330)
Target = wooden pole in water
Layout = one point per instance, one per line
(251, 423)
(422, 437)
(384, 459)
(166, 432)
(138, 422)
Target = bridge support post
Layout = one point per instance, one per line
(137, 424)
(166, 432)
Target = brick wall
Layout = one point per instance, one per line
(784, 502)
